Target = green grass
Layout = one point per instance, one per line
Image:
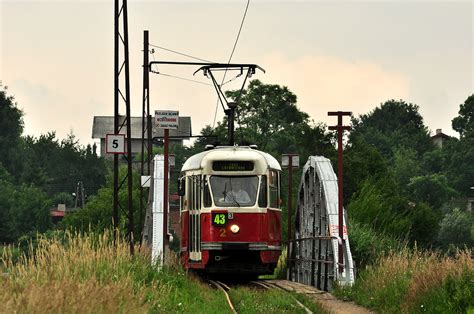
(412, 281)
(85, 273)
(253, 300)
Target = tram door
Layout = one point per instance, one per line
(194, 201)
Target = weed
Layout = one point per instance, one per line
(416, 281)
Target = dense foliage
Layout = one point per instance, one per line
(38, 173)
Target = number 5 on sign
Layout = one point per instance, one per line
(115, 143)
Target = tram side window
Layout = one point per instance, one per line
(189, 192)
(207, 193)
(198, 192)
(262, 194)
(274, 195)
(195, 203)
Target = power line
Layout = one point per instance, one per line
(180, 53)
(180, 78)
(230, 58)
(232, 79)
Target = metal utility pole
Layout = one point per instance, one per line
(147, 146)
(340, 130)
(80, 198)
(120, 12)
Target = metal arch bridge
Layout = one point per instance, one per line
(313, 255)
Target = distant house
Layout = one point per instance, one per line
(439, 138)
(57, 213)
(104, 125)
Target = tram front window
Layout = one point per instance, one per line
(234, 191)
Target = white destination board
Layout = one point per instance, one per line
(115, 143)
(166, 119)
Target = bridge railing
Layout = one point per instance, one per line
(321, 275)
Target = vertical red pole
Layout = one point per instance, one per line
(340, 130)
(165, 195)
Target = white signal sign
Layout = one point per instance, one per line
(166, 119)
(115, 143)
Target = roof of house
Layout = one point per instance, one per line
(104, 125)
(440, 134)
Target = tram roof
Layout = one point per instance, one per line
(229, 153)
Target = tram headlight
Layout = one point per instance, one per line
(234, 228)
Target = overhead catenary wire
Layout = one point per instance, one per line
(180, 53)
(175, 76)
(230, 58)
(180, 78)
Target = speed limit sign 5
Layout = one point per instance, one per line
(115, 143)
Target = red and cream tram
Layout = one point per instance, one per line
(230, 211)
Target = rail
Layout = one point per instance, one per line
(224, 288)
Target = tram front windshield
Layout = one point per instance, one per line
(234, 191)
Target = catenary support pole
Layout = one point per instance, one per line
(121, 121)
(145, 156)
(116, 113)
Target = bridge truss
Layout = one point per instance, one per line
(314, 255)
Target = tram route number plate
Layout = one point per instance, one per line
(219, 219)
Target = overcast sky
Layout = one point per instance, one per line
(57, 56)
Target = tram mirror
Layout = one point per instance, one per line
(181, 187)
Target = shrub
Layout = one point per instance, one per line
(455, 229)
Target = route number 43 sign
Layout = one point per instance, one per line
(115, 143)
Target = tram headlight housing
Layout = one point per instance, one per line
(234, 228)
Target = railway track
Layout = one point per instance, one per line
(260, 284)
(224, 288)
(267, 285)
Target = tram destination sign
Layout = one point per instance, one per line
(166, 119)
(226, 165)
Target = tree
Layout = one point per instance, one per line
(11, 120)
(393, 125)
(460, 153)
(361, 162)
(57, 166)
(29, 211)
(405, 165)
(264, 110)
(432, 189)
(459, 167)
(456, 229)
(464, 122)
(380, 205)
(6, 191)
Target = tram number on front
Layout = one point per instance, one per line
(219, 219)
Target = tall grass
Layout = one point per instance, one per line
(85, 273)
(411, 281)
